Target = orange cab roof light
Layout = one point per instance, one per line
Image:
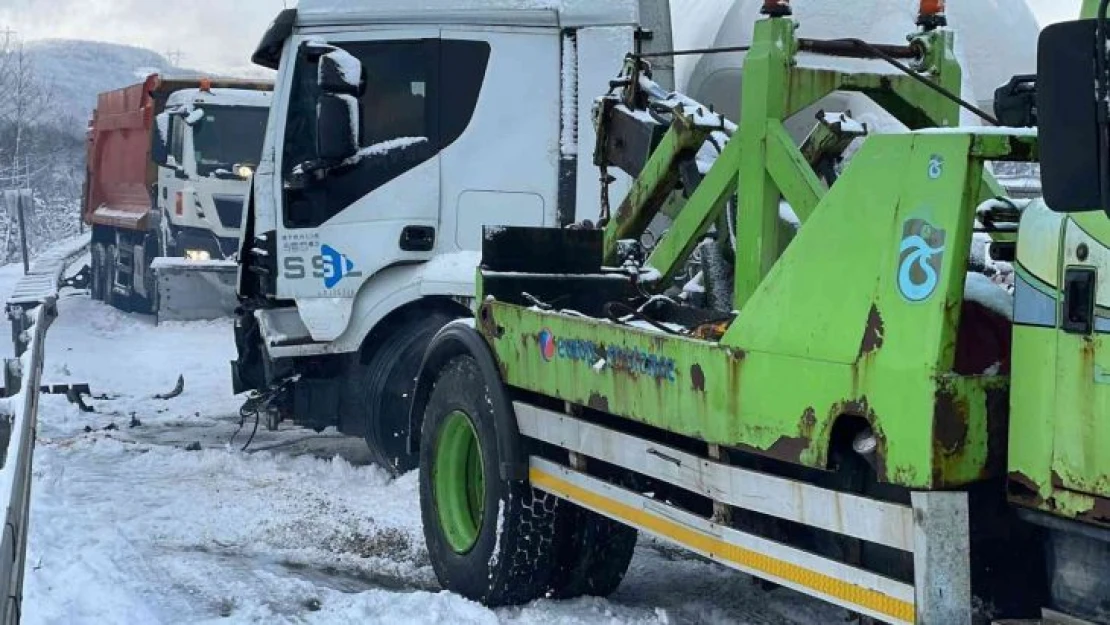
(931, 14)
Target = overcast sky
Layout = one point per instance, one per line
(217, 35)
(214, 35)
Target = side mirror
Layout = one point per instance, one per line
(337, 127)
(194, 117)
(1072, 151)
(340, 72)
(160, 141)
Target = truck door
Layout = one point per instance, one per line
(1080, 461)
(171, 185)
(381, 207)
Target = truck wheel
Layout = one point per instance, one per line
(594, 553)
(110, 262)
(96, 286)
(490, 540)
(146, 305)
(384, 386)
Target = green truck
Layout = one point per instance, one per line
(840, 406)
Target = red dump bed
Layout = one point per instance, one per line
(119, 172)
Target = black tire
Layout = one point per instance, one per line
(510, 565)
(111, 260)
(380, 390)
(593, 551)
(97, 267)
(146, 305)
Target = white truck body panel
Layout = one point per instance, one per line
(562, 13)
(486, 176)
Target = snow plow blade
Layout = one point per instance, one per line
(195, 290)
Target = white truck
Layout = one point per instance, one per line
(395, 135)
(168, 165)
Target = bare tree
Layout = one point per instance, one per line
(25, 101)
(33, 152)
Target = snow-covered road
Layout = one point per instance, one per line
(129, 526)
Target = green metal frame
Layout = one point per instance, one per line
(856, 319)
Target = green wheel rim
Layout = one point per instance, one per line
(459, 482)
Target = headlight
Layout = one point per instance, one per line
(244, 171)
(197, 255)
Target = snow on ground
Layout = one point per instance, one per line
(129, 526)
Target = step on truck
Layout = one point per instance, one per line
(868, 421)
(355, 252)
(168, 165)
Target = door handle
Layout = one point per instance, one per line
(1079, 300)
(418, 239)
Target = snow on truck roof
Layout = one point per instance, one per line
(563, 13)
(221, 97)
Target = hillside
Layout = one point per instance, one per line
(78, 70)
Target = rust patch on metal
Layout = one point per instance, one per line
(1022, 488)
(1100, 514)
(950, 417)
(809, 422)
(488, 324)
(788, 449)
(697, 377)
(872, 333)
(598, 402)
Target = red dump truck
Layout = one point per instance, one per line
(169, 161)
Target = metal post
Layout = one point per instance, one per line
(22, 232)
(942, 557)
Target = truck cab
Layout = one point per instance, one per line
(395, 134)
(212, 141)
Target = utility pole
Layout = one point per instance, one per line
(174, 57)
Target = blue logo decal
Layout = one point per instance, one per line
(336, 266)
(921, 255)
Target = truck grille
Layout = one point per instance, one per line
(230, 209)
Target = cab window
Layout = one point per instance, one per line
(407, 118)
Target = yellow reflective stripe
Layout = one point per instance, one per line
(825, 584)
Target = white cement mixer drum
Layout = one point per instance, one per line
(994, 42)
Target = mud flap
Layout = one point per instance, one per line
(195, 290)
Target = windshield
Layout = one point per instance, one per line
(228, 136)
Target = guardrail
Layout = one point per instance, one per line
(31, 308)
